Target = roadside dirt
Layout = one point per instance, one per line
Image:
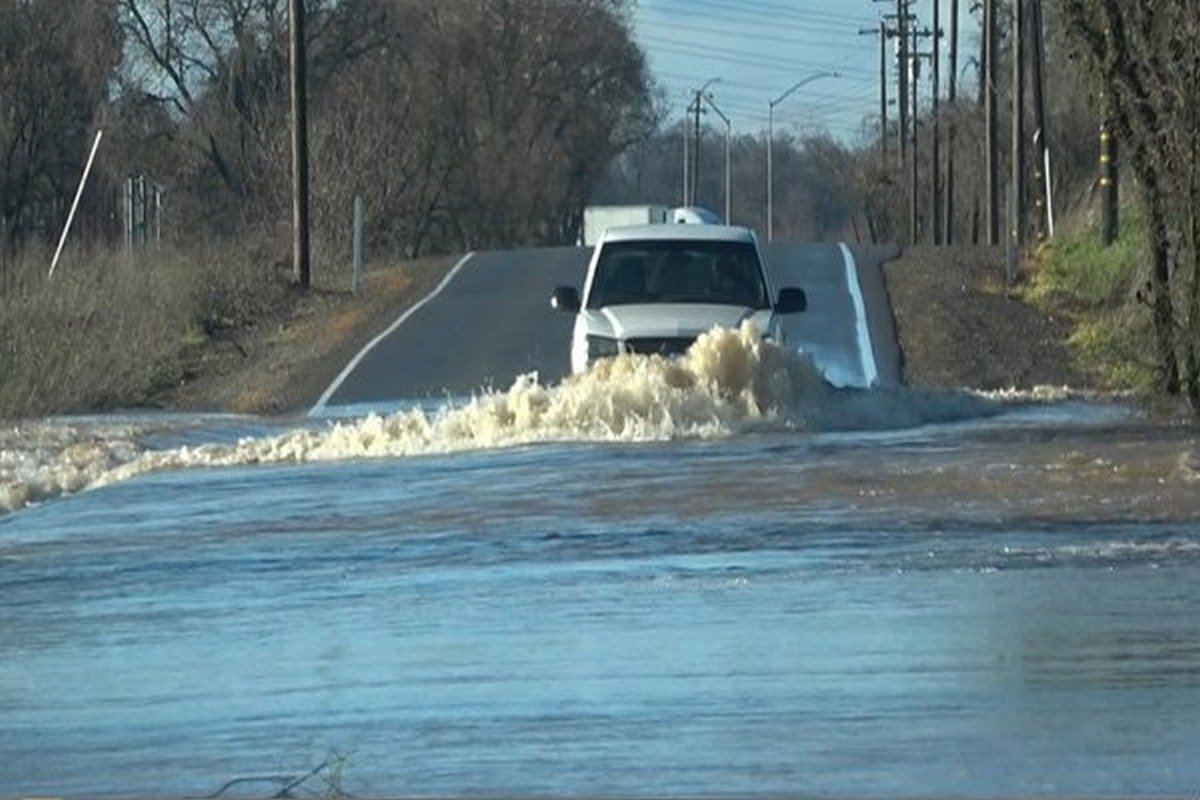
(957, 328)
(282, 364)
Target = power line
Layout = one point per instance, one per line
(849, 101)
(770, 11)
(738, 57)
(756, 87)
(705, 47)
(756, 36)
(744, 25)
(745, 39)
(726, 22)
(854, 109)
(852, 93)
(755, 92)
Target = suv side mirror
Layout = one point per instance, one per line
(791, 301)
(565, 298)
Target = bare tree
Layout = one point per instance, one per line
(1147, 68)
(217, 69)
(462, 123)
(56, 61)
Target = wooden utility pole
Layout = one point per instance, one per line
(884, 34)
(991, 123)
(697, 110)
(1041, 155)
(1017, 177)
(913, 204)
(356, 263)
(935, 160)
(300, 233)
(883, 96)
(914, 215)
(948, 200)
(728, 189)
(687, 170)
(902, 23)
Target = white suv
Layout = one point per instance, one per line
(655, 288)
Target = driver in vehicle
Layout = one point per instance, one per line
(626, 282)
(730, 283)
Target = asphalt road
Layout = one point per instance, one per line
(830, 328)
(492, 321)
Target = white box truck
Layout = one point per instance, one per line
(598, 219)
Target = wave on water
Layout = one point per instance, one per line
(45, 459)
(730, 381)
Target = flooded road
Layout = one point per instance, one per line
(999, 605)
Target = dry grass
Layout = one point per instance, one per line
(212, 327)
(284, 361)
(110, 330)
(344, 321)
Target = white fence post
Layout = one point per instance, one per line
(357, 277)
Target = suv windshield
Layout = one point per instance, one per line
(725, 273)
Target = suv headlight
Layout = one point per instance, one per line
(602, 347)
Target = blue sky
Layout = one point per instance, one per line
(759, 49)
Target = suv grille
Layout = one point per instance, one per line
(663, 346)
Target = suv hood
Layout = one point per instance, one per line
(670, 319)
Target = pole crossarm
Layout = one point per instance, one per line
(708, 98)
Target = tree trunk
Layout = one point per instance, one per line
(1163, 311)
(1192, 332)
(1139, 123)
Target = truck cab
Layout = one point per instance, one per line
(653, 289)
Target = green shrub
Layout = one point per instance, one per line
(1077, 272)
(1078, 276)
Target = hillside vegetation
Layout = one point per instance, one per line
(1097, 289)
(111, 330)
(1143, 61)
(189, 331)
(471, 124)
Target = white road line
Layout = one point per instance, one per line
(866, 351)
(354, 362)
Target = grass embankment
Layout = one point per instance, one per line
(216, 328)
(1095, 287)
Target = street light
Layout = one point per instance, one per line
(728, 132)
(771, 139)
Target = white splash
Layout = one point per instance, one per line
(45, 459)
(730, 381)
(1045, 394)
